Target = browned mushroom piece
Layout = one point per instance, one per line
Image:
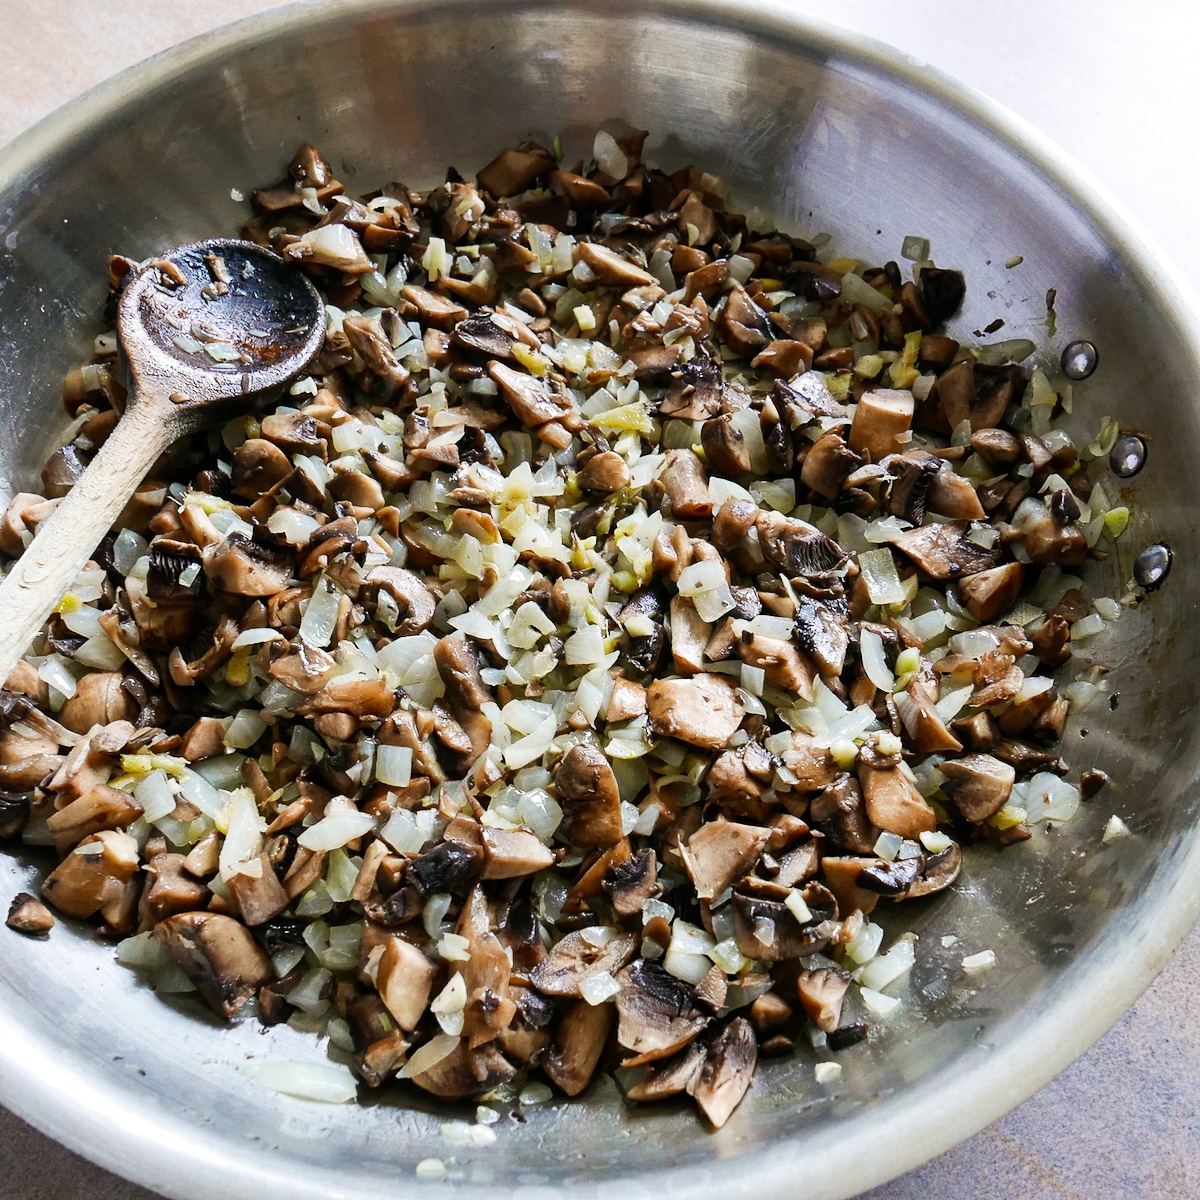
(725, 446)
(258, 465)
(954, 496)
(98, 876)
(744, 326)
(727, 1072)
(257, 890)
(414, 600)
(822, 634)
(841, 875)
(243, 566)
(694, 390)
(100, 807)
(29, 916)
(303, 668)
(981, 783)
(628, 700)
(612, 268)
(703, 711)
(686, 483)
(169, 889)
(784, 665)
(841, 815)
(821, 993)
(893, 803)
(404, 980)
(511, 853)
(219, 955)
(923, 724)
(768, 930)
(594, 949)
(465, 1072)
(827, 464)
(99, 699)
(630, 884)
(796, 547)
(604, 472)
(944, 552)
(991, 593)
(938, 872)
(720, 852)
(671, 1076)
(578, 1044)
(465, 689)
(656, 1013)
(882, 420)
(590, 798)
(486, 973)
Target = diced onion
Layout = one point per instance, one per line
(324, 1083)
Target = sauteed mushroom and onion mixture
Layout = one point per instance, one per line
(628, 601)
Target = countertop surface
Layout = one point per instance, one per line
(1111, 82)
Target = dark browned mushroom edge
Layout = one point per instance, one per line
(627, 601)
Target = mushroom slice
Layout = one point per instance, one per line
(466, 692)
(782, 663)
(944, 552)
(881, 422)
(840, 814)
(612, 268)
(99, 699)
(939, 871)
(631, 883)
(923, 724)
(169, 890)
(694, 393)
(893, 803)
(590, 797)
(415, 601)
(101, 807)
(821, 995)
(511, 853)
(841, 876)
(486, 973)
(248, 567)
(578, 954)
(727, 1072)
(578, 1043)
(404, 980)
(796, 547)
(531, 400)
(703, 711)
(656, 1013)
(219, 955)
(720, 852)
(670, 1077)
(480, 332)
(823, 635)
(303, 668)
(94, 878)
(29, 916)
(982, 785)
(988, 594)
(257, 890)
(686, 484)
(768, 930)
(465, 1072)
(826, 465)
(604, 472)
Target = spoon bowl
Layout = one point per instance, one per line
(208, 330)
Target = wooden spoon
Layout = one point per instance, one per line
(247, 305)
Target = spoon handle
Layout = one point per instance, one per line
(69, 537)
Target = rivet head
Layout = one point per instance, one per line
(1152, 567)
(1128, 456)
(1079, 360)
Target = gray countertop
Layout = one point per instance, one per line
(1113, 84)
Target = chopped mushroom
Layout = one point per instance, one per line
(982, 784)
(404, 979)
(727, 1072)
(686, 483)
(656, 1013)
(821, 993)
(720, 852)
(219, 955)
(578, 1044)
(563, 969)
(703, 711)
(590, 797)
(881, 424)
(29, 916)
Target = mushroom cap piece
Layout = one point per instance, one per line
(562, 970)
(703, 711)
(983, 784)
(720, 852)
(591, 799)
(578, 1043)
(219, 955)
(727, 1072)
(657, 1013)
